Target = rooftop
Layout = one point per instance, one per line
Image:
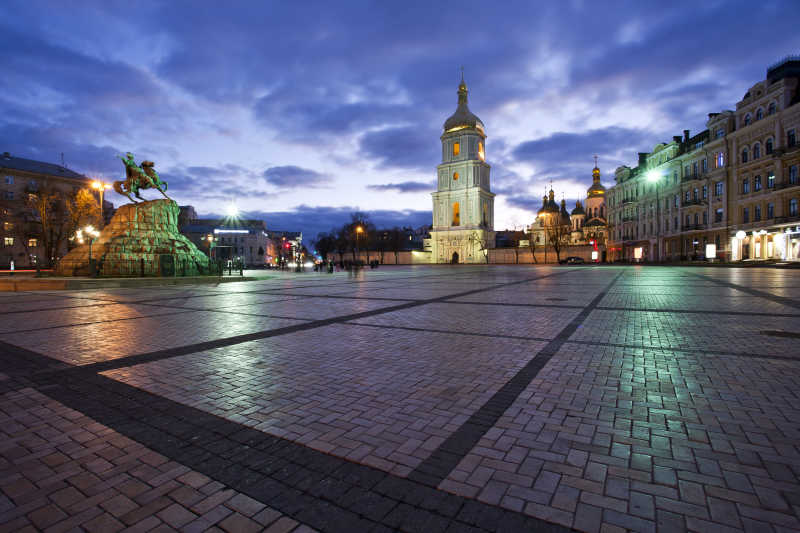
(7, 161)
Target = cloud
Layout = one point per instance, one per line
(407, 147)
(291, 177)
(405, 186)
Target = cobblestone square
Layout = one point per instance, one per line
(449, 398)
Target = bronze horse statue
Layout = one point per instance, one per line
(138, 178)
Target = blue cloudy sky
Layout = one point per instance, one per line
(302, 112)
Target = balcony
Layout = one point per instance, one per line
(692, 177)
(693, 202)
(790, 218)
(786, 185)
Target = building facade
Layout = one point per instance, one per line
(463, 204)
(20, 177)
(730, 192)
(587, 223)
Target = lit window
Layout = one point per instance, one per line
(8, 241)
(745, 185)
(771, 181)
(33, 243)
(718, 188)
(720, 159)
(8, 226)
(456, 148)
(718, 215)
(481, 155)
(455, 176)
(456, 214)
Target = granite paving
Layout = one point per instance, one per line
(448, 398)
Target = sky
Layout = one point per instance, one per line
(300, 113)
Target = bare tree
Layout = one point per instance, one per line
(481, 240)
(532, 246)
(557, 234)
(396, 242)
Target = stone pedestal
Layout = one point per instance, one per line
(141, 240)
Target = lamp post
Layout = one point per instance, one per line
(359, 231)
(101, 187)
(91, 234)
(654, 176)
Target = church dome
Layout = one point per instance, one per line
(463, 118)
(578, 209)
(549, 205)
(596, 188)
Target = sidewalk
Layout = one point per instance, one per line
(30, 283)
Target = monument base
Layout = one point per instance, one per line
(141, 240)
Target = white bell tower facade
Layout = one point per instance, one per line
(463, 204)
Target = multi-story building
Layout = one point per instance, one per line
(729, 192)
(21, 232)
(244, 240)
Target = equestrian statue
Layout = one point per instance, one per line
(139, 177)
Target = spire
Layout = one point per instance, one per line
(462, 89)
(595, 172)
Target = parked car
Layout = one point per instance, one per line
(572, 260)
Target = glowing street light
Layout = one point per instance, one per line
(232, 211)
(101, 187)
(92, 234)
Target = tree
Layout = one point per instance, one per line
(82, 210)
(532, 245)
(325, 243)
(55, 216)
(557, 234)
(396, 242)
(481, 240)
(515, 240)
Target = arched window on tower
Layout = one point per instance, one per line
(455, 176)
(485, 218)
(759, 114)
(456, 215)
(481, 154)
(456, 148)
(771, 109)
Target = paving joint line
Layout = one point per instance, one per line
(438, 465)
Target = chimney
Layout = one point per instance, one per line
(686, 136)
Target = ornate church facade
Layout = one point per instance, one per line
(463, 204)
(584, 225)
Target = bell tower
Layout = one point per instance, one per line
(463, 204)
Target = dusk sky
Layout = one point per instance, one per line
(302, 112)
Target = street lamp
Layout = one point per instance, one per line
(654, 176)
(91, 234)
(359, 231)
(101, 187)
